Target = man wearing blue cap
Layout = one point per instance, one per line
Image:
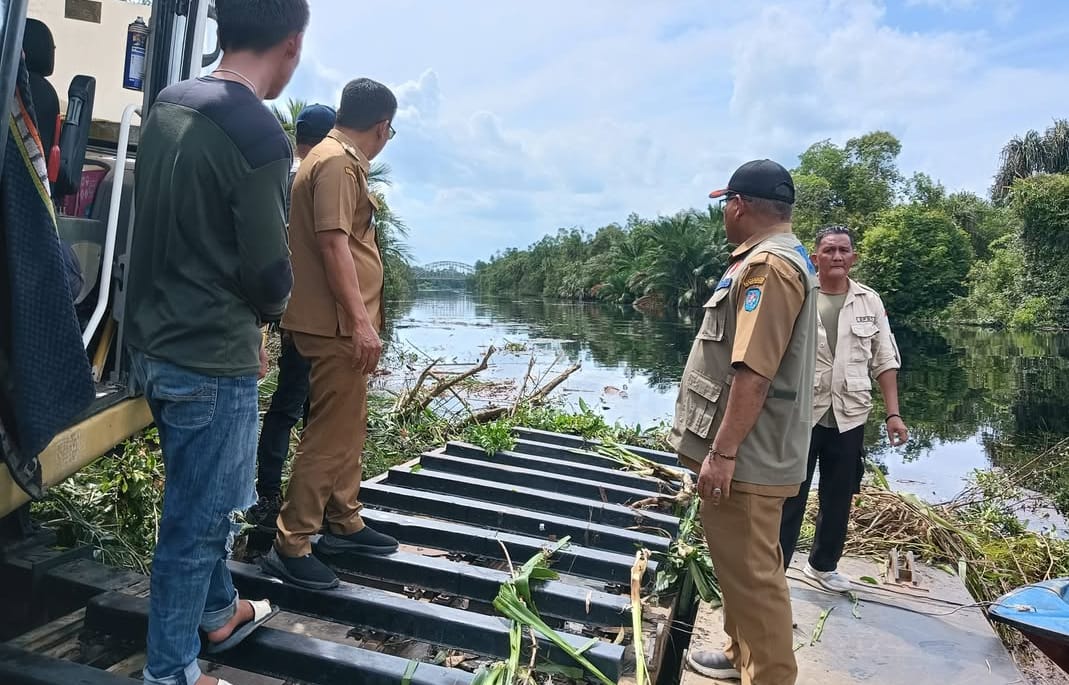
(290, 399)
(312, 126)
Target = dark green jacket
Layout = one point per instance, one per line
(210, 258)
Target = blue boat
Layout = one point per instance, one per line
(1040, 611)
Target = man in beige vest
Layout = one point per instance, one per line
(854, 346)
(742, 420)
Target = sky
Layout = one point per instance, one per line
(519, 118)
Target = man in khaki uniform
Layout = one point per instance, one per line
(742, 420)
(854, 345)
(335, 315)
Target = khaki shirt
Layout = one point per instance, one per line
(762, 314)
(330, 192)
(865, 349)
(763, 333)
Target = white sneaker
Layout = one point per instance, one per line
(830, 580)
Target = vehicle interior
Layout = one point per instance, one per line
(91, 164)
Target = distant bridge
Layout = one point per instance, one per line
(445, 271)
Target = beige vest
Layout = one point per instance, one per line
(864, 349)
(776, 450)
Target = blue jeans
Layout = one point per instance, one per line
(207, 428)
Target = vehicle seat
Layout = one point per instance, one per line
(40, 50)
(86, 234)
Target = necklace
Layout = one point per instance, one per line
(241, 76)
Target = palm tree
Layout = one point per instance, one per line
(287, 116)
(689, 251)
(1033, 153)
(391, 233)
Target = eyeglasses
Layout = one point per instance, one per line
(728, 197)
(391, 134)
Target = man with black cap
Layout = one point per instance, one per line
(742, 420)
(290, 399)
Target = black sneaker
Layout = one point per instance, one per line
(368, 540)
(264, 514)
(714, 664)
(307, 571)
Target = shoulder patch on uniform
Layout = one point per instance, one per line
(800, 249)
(753, 280)
(752, 299)
(350, 172)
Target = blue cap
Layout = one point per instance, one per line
(314, 122)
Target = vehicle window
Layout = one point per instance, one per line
(212, 54)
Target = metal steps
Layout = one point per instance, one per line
(276, 652)
(456, 511)
(22, 667)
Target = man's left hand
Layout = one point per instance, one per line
(714, 480)
(897, 432)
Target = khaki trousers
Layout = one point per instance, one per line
(743, 536)
(327, 468)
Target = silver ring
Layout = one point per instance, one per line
(716, 492)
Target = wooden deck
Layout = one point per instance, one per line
(892, 636)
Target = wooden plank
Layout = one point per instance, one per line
(51, 634)
(130, 666)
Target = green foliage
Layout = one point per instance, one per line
(846, 185)
(924, 190)
(1042, 205)
(983, 221)
(917, 259)
(998, 294)
(675, 258)
(816, 205)
(586, 422)
(514, 601)
(287, 117)
(688, 555)
(113, 505)
(393, 439)
(493, 437)
(392, 234)
(1031, 154)
(685, 257)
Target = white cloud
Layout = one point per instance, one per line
(1002, 10)
(515, 120)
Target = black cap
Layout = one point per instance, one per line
(760, 178)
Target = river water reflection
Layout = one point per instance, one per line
(961, 387)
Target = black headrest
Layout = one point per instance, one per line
(40, 48)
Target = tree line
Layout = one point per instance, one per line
(998, 260)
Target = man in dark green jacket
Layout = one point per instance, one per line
(210, 266)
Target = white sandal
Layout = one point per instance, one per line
(262, 612)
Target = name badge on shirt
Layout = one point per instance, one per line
(724, 283)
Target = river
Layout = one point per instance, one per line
(962, 389)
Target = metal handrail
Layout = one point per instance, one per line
(113, 224)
